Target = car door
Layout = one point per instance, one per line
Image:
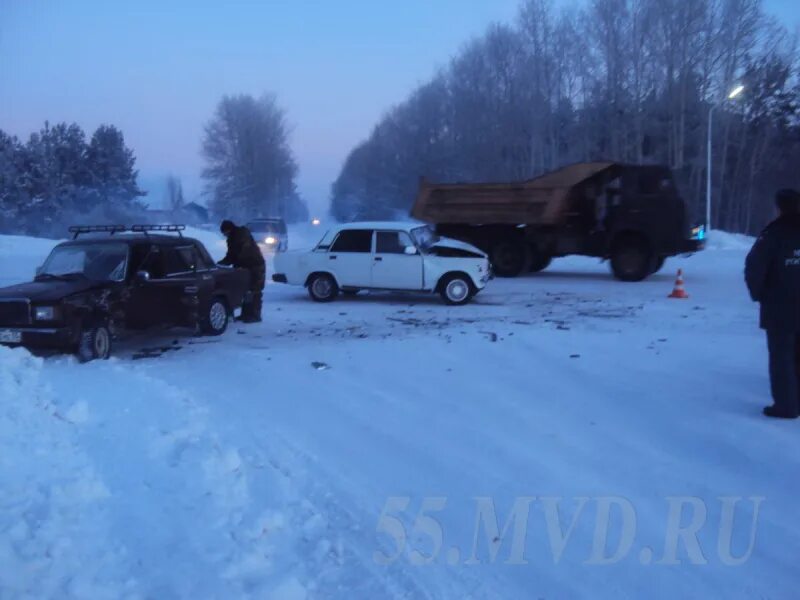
(393, 266)
(143, 306)
(350, 258)
(182, 287)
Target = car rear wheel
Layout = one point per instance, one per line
(456, 290)
(322, 288)
(216, 317)
(95, 343)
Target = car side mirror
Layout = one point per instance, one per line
(142, 276)
(39, 270)
(410, 250)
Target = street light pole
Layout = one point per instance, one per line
(733, 94)
(708, 167)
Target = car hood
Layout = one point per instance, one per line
(47, 291)
(450, 243)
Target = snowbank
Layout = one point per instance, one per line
(53, 530)
(20, 255)
(723, 240)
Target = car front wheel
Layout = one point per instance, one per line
(456, 290)
(322, 288)
(215, 320)
(94, 344)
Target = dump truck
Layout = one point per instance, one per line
(631, 215)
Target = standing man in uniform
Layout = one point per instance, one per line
(244, 253)
(772, 273)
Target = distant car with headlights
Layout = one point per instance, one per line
(92, 290)
(271, 234)
(386, 256)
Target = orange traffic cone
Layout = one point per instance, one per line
(678, 291)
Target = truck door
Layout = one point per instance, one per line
(393, 267)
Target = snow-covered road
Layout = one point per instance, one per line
(290, 459)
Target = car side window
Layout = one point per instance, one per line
(353, 240)
(150, 258)
(180, 260)
(393, 242)
(204, 260)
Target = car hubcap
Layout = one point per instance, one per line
(322, 288)
(457, 290)
(101, 342)
(217, 316)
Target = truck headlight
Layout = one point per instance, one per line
(270, 240)
(45, 313)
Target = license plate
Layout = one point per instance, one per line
(7, 336)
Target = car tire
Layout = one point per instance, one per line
(509, 258)
(456, 289)
(216, 317)
(95, 343)
(632, 259)
(322, 287)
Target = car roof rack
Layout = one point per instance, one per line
(77, 230)
(146, 229)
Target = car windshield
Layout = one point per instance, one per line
(98, 262)
(424, 237)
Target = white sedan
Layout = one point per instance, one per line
(385, 256)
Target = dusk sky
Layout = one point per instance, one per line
(157, 69)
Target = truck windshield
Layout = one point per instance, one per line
(98, 262)
(424, 237)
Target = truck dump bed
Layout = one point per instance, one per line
(545, 200)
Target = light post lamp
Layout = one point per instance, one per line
(735, 92)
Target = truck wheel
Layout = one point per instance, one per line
(216, 317)
(632, 259)
(509, 258)
(539, 261)
(94, 343)
(659, 264)
(322, 288)
(456, 289)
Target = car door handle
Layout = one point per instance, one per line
(378, 259)
(331, 258)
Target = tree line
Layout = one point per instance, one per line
(58, 176)
(623, 80)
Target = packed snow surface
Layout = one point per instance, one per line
(295, 458)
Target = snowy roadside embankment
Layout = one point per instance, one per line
(53, 526)
(723, 240)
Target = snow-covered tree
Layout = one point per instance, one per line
(250, 169)
(112, 170)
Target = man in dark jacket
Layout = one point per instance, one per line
(244, 253)
(772, 272)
